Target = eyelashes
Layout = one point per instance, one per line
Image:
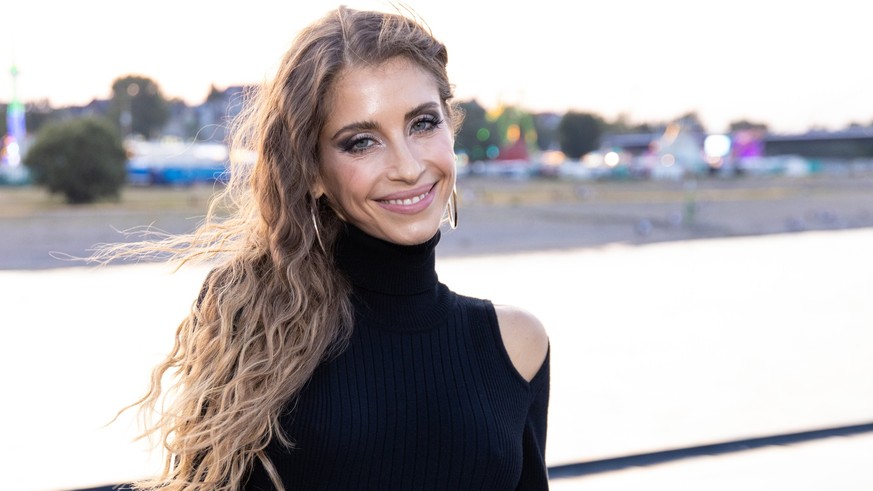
(428, 121)
(358, 143)
(362, 142)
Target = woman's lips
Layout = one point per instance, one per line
(411, 201)
(408, 201)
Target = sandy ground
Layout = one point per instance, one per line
(654, 347)
(497, 216)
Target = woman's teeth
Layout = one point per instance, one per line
(408, 201)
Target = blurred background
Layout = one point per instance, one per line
(682, 192)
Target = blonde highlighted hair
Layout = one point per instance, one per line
(274, 306)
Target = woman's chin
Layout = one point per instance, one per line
(412, 234)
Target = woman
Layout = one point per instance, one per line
(323, 353)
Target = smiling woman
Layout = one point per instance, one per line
(387, 162)
(323, 352)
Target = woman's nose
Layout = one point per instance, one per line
(407, 165)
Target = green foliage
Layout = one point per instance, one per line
(579, 133)
(138, 106)
(477, 133)
(83, 159)
(512, 123)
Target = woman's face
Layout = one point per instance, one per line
(386, 149)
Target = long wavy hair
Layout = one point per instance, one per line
(274, 305)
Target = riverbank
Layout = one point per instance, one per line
(497, 215)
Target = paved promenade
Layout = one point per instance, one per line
(655, 347)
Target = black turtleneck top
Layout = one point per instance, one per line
(425, 397)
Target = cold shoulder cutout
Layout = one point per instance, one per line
(524, 338)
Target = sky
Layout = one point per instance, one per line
(791, 65)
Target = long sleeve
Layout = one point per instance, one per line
(534, 473)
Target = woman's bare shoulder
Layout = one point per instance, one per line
(525, 339)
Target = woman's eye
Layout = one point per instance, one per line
(358, 144)
(426, 123)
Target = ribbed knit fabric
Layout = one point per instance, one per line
(425, 396)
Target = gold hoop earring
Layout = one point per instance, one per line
(453, 209)
(315, 225)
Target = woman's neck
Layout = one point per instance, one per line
(379, 266)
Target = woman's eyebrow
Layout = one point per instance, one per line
(373, 125)
(356, 126)
(421, 108)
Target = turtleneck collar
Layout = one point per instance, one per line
(395, 287)
(380, 266)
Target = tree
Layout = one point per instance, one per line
(579, 133)
(478, 136)
(83, 159)
(516, 131)
(138, 106)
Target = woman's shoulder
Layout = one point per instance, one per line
(525, 339)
